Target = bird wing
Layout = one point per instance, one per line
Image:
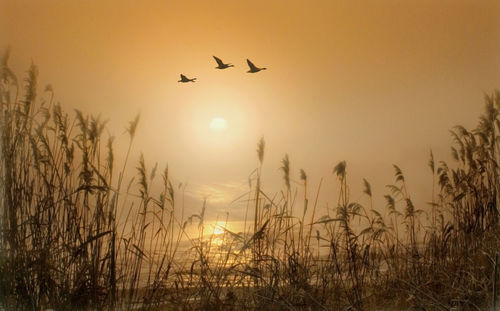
(219, 61)
(251, 65)
(183, 77)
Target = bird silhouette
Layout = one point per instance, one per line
(221, 64)
(253, 68)
(184, 79)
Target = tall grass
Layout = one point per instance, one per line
(73, 236)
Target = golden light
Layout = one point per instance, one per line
(218, 234)
(218, 124)
(219, 228)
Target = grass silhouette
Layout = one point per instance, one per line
(74, 238)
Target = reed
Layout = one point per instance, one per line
(73, 237)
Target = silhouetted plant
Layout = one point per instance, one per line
(73, 237)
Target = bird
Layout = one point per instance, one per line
(184, 79)
(221, 64)
(253, 68)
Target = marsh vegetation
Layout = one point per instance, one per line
(77, 234)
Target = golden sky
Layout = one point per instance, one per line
(370, 82)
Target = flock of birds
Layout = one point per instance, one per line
(222, 65)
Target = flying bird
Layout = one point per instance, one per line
(253, 68)
(184, 79)
(221, 64)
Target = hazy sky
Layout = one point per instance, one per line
(370, 82)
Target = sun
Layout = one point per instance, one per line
(218, 124)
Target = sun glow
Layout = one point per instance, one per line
(219, 228)
(218, 238)
(218, 124)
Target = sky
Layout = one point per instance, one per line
(374, 83)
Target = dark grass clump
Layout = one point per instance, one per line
(76, 236)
